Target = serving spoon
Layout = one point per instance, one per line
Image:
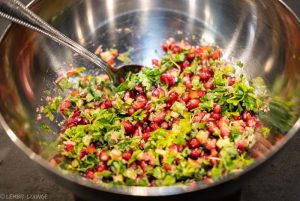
(15, 11)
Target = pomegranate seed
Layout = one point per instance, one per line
(186, 77)
(143, 165)
(154, 126)
(185, 64)
(108, 104)
(193, 103)
(217, 108)
(214, 153)
(148, 106)
(207, 69)
(133, 166)
(246, 114)
(173, 148)
(204, 76)
(194, 143)
(180, 147)
(175, 121)
(139, 89)
(158, 92)
(215, 116)
(102, 105)
(176, 148)
(230, 81)
(201, 93)
(172, 80)
(164, 125)
(197, 118)
(189, 85)
(147, 129)
(75, 116)
(159, 118)
(236, 118)
(186, 98)
(225, 131)
(195, 153)
(173, 96)
(127, 95)
(209, 85)
(90, 174)
(156, 62)
(208, 180)
(104, 156)
(128, 126)
(131, 111)
(122, 79)
(251, 121)
(69, 147)
(176, 49)
(101, 167)
(241, 146)
(223, 122)
(211, 144)
(211, 126)
(127, 156)
(145, 136)
(165, 47)
(136, 133)
(168, 105)
(141, 98)
(190, 57)
(83, 121)
(70, 125)
(82, 152)
(168, 79)
(140, 102)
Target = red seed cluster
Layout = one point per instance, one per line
(176, 85)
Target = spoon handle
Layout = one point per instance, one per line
(15, 11)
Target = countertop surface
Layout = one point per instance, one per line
(278, 181)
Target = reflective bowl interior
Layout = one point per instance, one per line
(262, 34)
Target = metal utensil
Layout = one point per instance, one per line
(15, 11)
(264, 35)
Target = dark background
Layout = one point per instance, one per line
(279, 181)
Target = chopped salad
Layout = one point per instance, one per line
(190, 117)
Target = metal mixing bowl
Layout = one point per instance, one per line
(264, 35)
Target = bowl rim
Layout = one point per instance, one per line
(138, 190)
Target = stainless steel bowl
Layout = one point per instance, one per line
(264, 35)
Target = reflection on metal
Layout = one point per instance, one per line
(90, 18)
(207, 15)
(78, 29)
(110, 16)
(192, 8)
(269, 64)
(110, 9)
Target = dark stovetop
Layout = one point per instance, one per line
(279, 181)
